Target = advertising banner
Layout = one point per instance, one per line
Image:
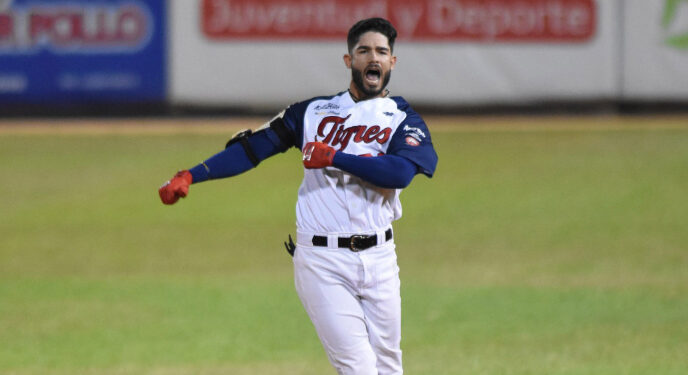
(655, 64)
(80, 51)
(428, 20)
(268, 53)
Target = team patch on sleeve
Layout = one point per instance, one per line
(414, 135)
(411, 141)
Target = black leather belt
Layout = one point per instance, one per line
(355, 243)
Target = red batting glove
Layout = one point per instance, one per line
(317, 155)
(177, 187)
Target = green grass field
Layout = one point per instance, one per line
(535, 250)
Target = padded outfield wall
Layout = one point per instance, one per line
(449, 51)
(82, 53)
(266, 54)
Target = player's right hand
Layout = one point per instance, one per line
(177, 187)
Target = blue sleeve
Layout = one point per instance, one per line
(233, 160)
(385, 171)
(293, 119)
(412, 141)
(264, 143)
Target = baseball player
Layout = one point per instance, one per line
(360, 148)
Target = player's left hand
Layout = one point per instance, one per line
(177, 187)
(317, 155)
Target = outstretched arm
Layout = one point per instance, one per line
(239, 156)
(234, 159)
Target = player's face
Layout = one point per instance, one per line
(371, 63)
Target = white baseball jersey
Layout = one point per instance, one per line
(333, 201)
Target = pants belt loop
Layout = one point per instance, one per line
(332, 241)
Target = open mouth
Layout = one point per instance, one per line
(372, 75)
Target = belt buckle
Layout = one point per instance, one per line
(353, 245)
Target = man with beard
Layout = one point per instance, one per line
(360, 148)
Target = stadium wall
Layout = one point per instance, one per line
(260, 55)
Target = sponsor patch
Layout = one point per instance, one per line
(412, 141)
(415, 132)
(320, 107)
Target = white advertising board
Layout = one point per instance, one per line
(270, 53)
(655, 63)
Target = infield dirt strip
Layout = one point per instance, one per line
(169, 126)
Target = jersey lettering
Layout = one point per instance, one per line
(338, 135)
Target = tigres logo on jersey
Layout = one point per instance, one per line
(339, 135)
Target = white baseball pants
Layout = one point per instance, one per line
(354, 302)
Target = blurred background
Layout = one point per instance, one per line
(551, 240)
(161, 57)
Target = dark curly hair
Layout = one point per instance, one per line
(377, 24)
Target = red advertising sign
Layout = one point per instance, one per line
(427, 20)
(65, 26)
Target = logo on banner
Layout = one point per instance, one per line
(73, 27)
(675, 23)
(560, 21)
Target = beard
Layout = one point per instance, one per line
(357, 78)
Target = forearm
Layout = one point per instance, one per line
(233, 160)
(386, 171)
